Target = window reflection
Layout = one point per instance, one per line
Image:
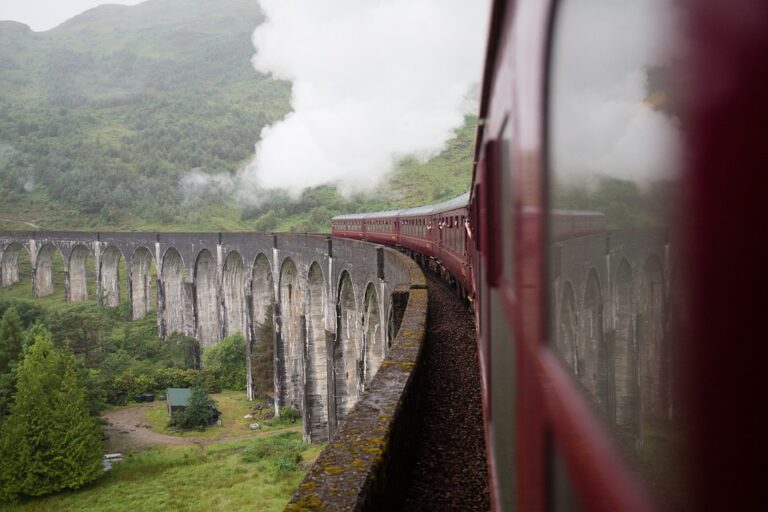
(613, 139)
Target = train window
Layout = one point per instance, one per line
(613, 141)
(506, 204)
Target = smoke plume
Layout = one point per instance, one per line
(603, 123)
(372, 82)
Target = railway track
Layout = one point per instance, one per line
(449, 471)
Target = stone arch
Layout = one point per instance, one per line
(77, 272)
(233, 289)
(373, 337)
(43, 276)
(261, 349)
(9, 268)
(171, 292)
(316, 409)
(592, 357)
(625, 358)
(650, 339)
(206, 299)
(292, 329)
(110, 276)
(566, 339)
(346, 352)
(140, 281)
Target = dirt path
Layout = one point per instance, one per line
(30, 224)
(126, 431)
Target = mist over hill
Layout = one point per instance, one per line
(103, 116)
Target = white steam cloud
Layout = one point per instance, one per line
(602, 124)
(373, 81)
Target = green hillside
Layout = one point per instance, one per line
(101, 117)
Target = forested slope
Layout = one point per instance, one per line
(102, 116)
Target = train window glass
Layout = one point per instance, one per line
(507, 205)
(613, 139)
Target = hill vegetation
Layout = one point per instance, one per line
(102, 117)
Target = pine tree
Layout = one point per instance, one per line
(11, 338)
(11, 343)
(49, 442)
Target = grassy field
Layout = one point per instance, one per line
(233, 406)
(255, 475)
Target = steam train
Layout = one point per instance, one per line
(619, 366)
(440, 234)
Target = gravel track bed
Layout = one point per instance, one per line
(450, 470)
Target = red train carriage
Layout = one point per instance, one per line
(609, 379)
(452, 248)
(567, 224)
(382, 227)
(349, 226)
(599, 393)
(417, 231)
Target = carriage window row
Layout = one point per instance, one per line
(381, 226)
(452, 232)
(415, 227)
(356, 225)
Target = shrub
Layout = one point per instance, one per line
(120, 389)
(199, 413)
(282, 452)
(290, 414)
(226, 361)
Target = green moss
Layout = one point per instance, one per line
(334, 470)
(306, 503)
(308, 486)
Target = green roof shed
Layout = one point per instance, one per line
(178, 399)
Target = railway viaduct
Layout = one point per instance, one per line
(333, 303)
(345, 311)
(612, 304)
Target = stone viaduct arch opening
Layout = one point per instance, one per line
(593, 362)
(316, 393)
(291, 349)
(79, 267)
(346, 352)
(15, 263)
(171, 293)
(261, 348)
(142, 270)
(112, 265)
(625, 358)
(48, 271)
(373, 336)
(650, 342)
(206, 300)
(566, 329)
(233, 290)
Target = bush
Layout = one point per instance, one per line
(120, 389)
(289, 414)
(29, 313)
(226, 361)
(282, 452)
(199, 413)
